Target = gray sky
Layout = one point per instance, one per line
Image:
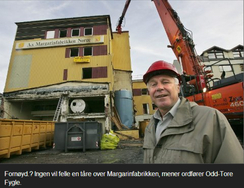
(213, 23)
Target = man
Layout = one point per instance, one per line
(181, 131)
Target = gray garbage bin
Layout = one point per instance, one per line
(77, 135)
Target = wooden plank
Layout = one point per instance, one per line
(116, 122)
(128, 134)
(116, 114)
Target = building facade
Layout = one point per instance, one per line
(67, 70)
(223, 63)
(143, 106)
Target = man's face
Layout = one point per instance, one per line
(163, 91)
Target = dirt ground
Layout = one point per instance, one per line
(127, 152)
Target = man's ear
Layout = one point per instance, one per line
(178, 86)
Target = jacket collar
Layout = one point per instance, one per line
(183, 115)
(181, 123)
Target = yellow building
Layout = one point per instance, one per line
(67, 69)
(144, 108)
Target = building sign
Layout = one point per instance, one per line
(82, 59)
(59, 42)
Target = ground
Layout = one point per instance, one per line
(127, 152)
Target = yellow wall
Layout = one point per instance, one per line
(36, 67)
(143, 99)
(121, 51)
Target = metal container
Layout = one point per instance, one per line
(124, 106)
(77, 135)
(17, 136)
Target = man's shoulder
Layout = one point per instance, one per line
(200, 108)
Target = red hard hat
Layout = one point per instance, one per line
(157, 68)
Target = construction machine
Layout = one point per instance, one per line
(197, 82)
(119, 25)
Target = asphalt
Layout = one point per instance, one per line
(127, 152)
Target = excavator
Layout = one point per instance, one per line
(197, 82)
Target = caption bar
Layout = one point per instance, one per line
(13, 179)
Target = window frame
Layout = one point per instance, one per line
(87, 28)
(84, 50)
(62, 30)
(70, 55)
(216, 54)
(221, 68)
(145, 107)
(53, 31)
(76, 30)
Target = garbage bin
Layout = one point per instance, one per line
(77, 135)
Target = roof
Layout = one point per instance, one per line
(221, 49)
(36, 28)
(64, 19)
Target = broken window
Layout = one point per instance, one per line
(95, 72)
(87, 73)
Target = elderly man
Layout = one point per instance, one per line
(181, 131)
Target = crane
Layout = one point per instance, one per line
(118, 28)
(195, 79)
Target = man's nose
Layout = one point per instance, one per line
(160, 87)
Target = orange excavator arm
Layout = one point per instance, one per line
(118, 28)
(180, 38)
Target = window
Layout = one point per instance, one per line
(154, 107)
(145, 108)
(215, 54)
(226, 68)
(65, 74)
(87, 73)
(74, 52)
(241, 67)
(87, 51)
(63, 33)
(139, 92)
(50, 34)
(211, 55)
(88, 31)
(95, 72)
(238, 53)
(75, 32)
(144, 91)
(136, 92)
(219, 55)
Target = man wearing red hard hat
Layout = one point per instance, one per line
(181, 131)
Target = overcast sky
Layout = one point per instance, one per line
(213, 23)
